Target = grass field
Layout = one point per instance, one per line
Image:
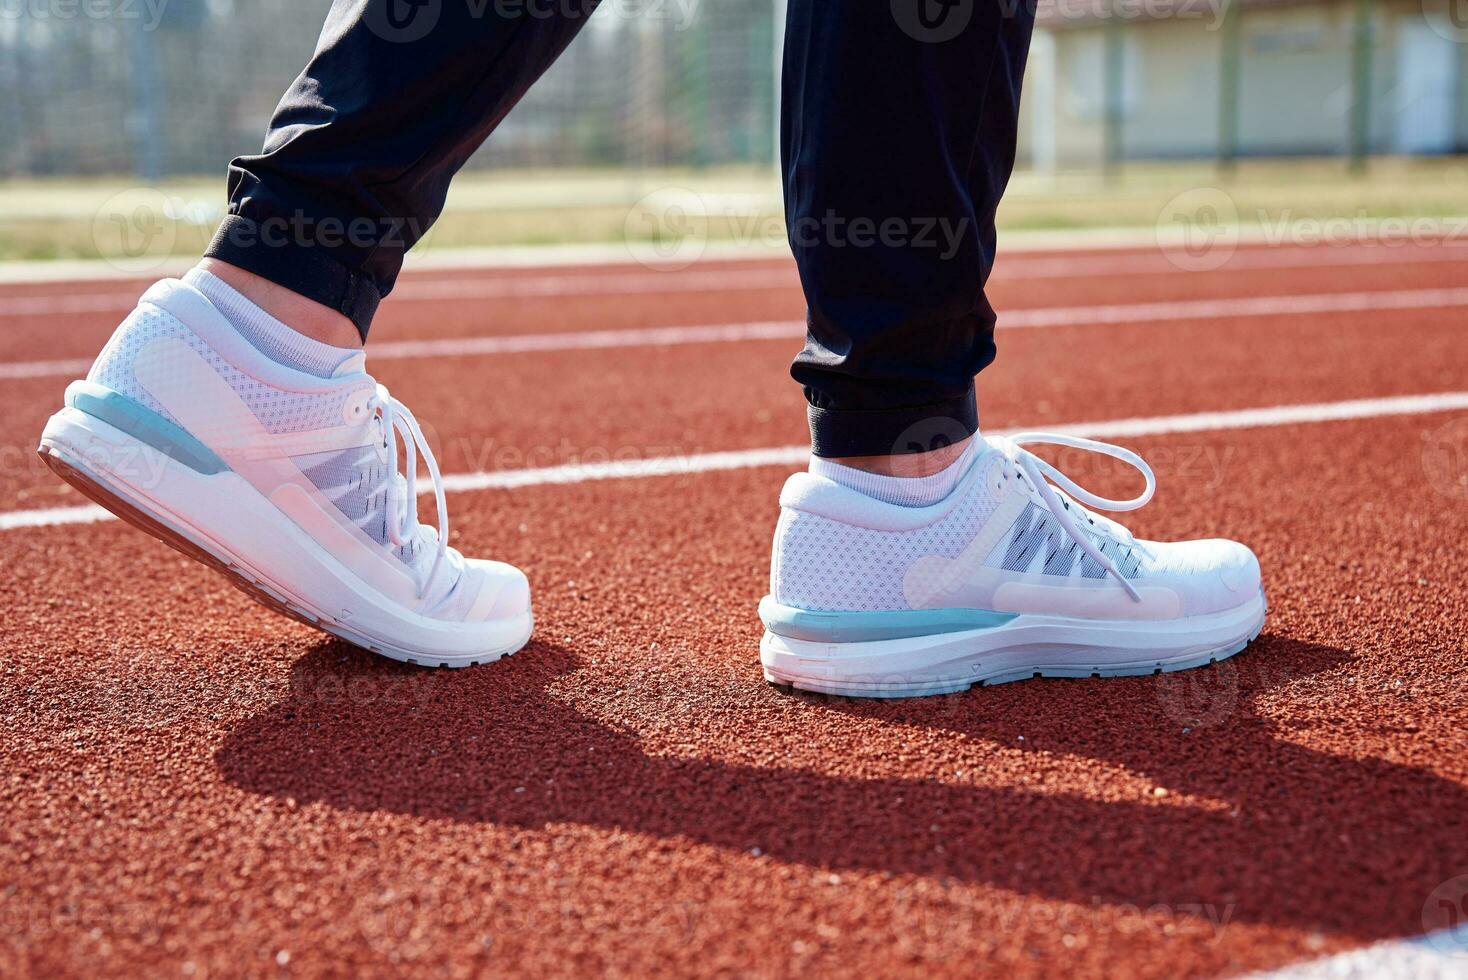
(114, 218)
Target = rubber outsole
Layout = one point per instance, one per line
(890, 689)
(134, 512)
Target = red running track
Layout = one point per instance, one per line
(193, 785)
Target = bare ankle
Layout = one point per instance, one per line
(305, 316)
(909, 464)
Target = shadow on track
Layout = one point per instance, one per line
(1285, 834)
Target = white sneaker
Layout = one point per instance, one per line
(286, 482)
(1006, 578)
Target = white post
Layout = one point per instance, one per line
(1041, 92)
(778, 33)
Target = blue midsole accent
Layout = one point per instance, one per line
(143, 424)
(859, 627)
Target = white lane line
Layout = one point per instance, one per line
(1211, 309)
(736, 459)
(60, 305)
(586, 340)
(630, 283)
(433, 290)
(637, 282)
(53, 517)
(1362, 408)
(1254, 418)
(1436, 956)
(504, 344)
(1055, 316)
(1026, 268)
(20, 370)
(1243, 260)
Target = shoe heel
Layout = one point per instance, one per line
(118, 502)
(901, 668)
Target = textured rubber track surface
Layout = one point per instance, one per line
(193, 785)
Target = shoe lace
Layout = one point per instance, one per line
(1036, 470)
(402, 496)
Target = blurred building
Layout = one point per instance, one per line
(1168, 79)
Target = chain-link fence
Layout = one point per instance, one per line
(163, 87)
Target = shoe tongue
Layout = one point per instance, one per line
(356, 364)
(416, 530)
(401, 502)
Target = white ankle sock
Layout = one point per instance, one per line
(268, 335)
(905, 491)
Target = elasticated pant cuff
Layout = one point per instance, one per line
(837, 433)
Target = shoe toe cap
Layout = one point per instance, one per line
(504, 591)
(1212, 576)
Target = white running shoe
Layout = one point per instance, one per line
(286, 482)
(1006, 578)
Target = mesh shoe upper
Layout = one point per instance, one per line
(995, 543)
(294, 411)
(281, 411)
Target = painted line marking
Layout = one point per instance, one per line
(634, 282)
(1363, 408)
(1242, 260)
(465, 289)
(20, 370)
(589, 340)
(1211, 309)
(1044, 317)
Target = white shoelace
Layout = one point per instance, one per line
(1036, 470)
(402, 514)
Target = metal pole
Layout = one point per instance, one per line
(146, 122)
(1229, 78)
(1042, 95)
(777, 33)
(1361, 51)
(696, 62)
(1115, 68)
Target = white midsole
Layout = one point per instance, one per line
(1027, 645)
(225, 515)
